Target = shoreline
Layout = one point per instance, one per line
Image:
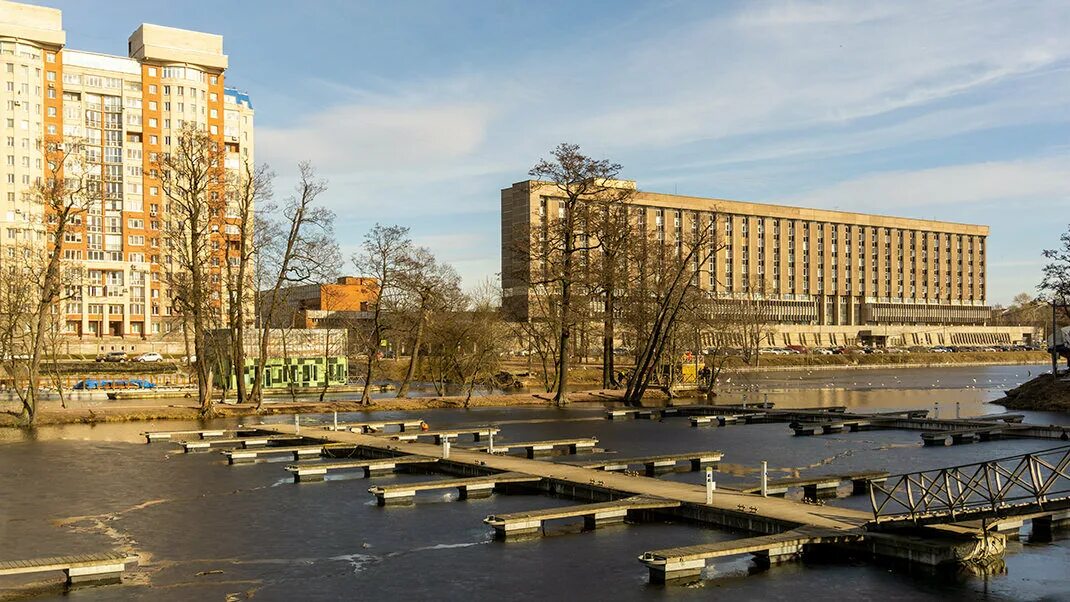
(91, 411)
(803, 367)
(166, 409)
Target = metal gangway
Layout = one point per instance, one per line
(1026, 484)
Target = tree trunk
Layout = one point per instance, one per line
(49, 292)
(561, 395)
(365, 396)
(609, 378)
(414, 356)
(239, 357)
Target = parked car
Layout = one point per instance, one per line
(112, 356)
(151, 356)
(823, 351)
(797, 349)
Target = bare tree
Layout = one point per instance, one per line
(609, 270)
(248, 190)
(193, 179)
(61, 199)
(750, 315)
(304, 251)
(539, 332)
(466, 343)
(424, 284)
(667, 291)
(18, 296)
(384, 256)
(575, 181)
(1056, 281)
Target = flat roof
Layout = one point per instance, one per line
(750, 208)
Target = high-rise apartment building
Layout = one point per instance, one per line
(827, 277)
(125, 109)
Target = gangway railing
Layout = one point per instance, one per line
(1011, 486)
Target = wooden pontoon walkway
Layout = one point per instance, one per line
(524, 524)
(472, 487)
(315, 471)
(534, 448)
(688, 561)
(105, 567)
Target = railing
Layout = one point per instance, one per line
(1003, 487)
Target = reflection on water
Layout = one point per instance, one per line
(204, 529)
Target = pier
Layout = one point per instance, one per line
(662, 463)
(477, 434)
(316, 471)
(676, 564)
(782, 528)
(379, 426)
(469, 488)
(527, 524)
(540, 448)
(154, 436)
(245, 442)
(79, 569)
(238, 456)
(814, 487)
(831, 427)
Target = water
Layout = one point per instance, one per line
(206, 530)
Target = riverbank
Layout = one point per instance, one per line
(168, 409)
(587, 374)
(1042, 393)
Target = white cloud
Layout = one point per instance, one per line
(732, 98)
(369, 137)
(1043, 179)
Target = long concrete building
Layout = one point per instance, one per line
(125, 109)
(828, 277)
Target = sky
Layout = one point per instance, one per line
(419, 112)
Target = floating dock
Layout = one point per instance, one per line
(107, 567)
(539, 448)
(154, 436)
(469, 488)
(813, 487)
(608, 496)
(316, 471)
(675, 564)
(528, 524)
(477, 434)
(238, 456)
(378, 426)
(663, 463)
(244, 442)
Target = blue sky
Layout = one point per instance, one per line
(419, 112)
